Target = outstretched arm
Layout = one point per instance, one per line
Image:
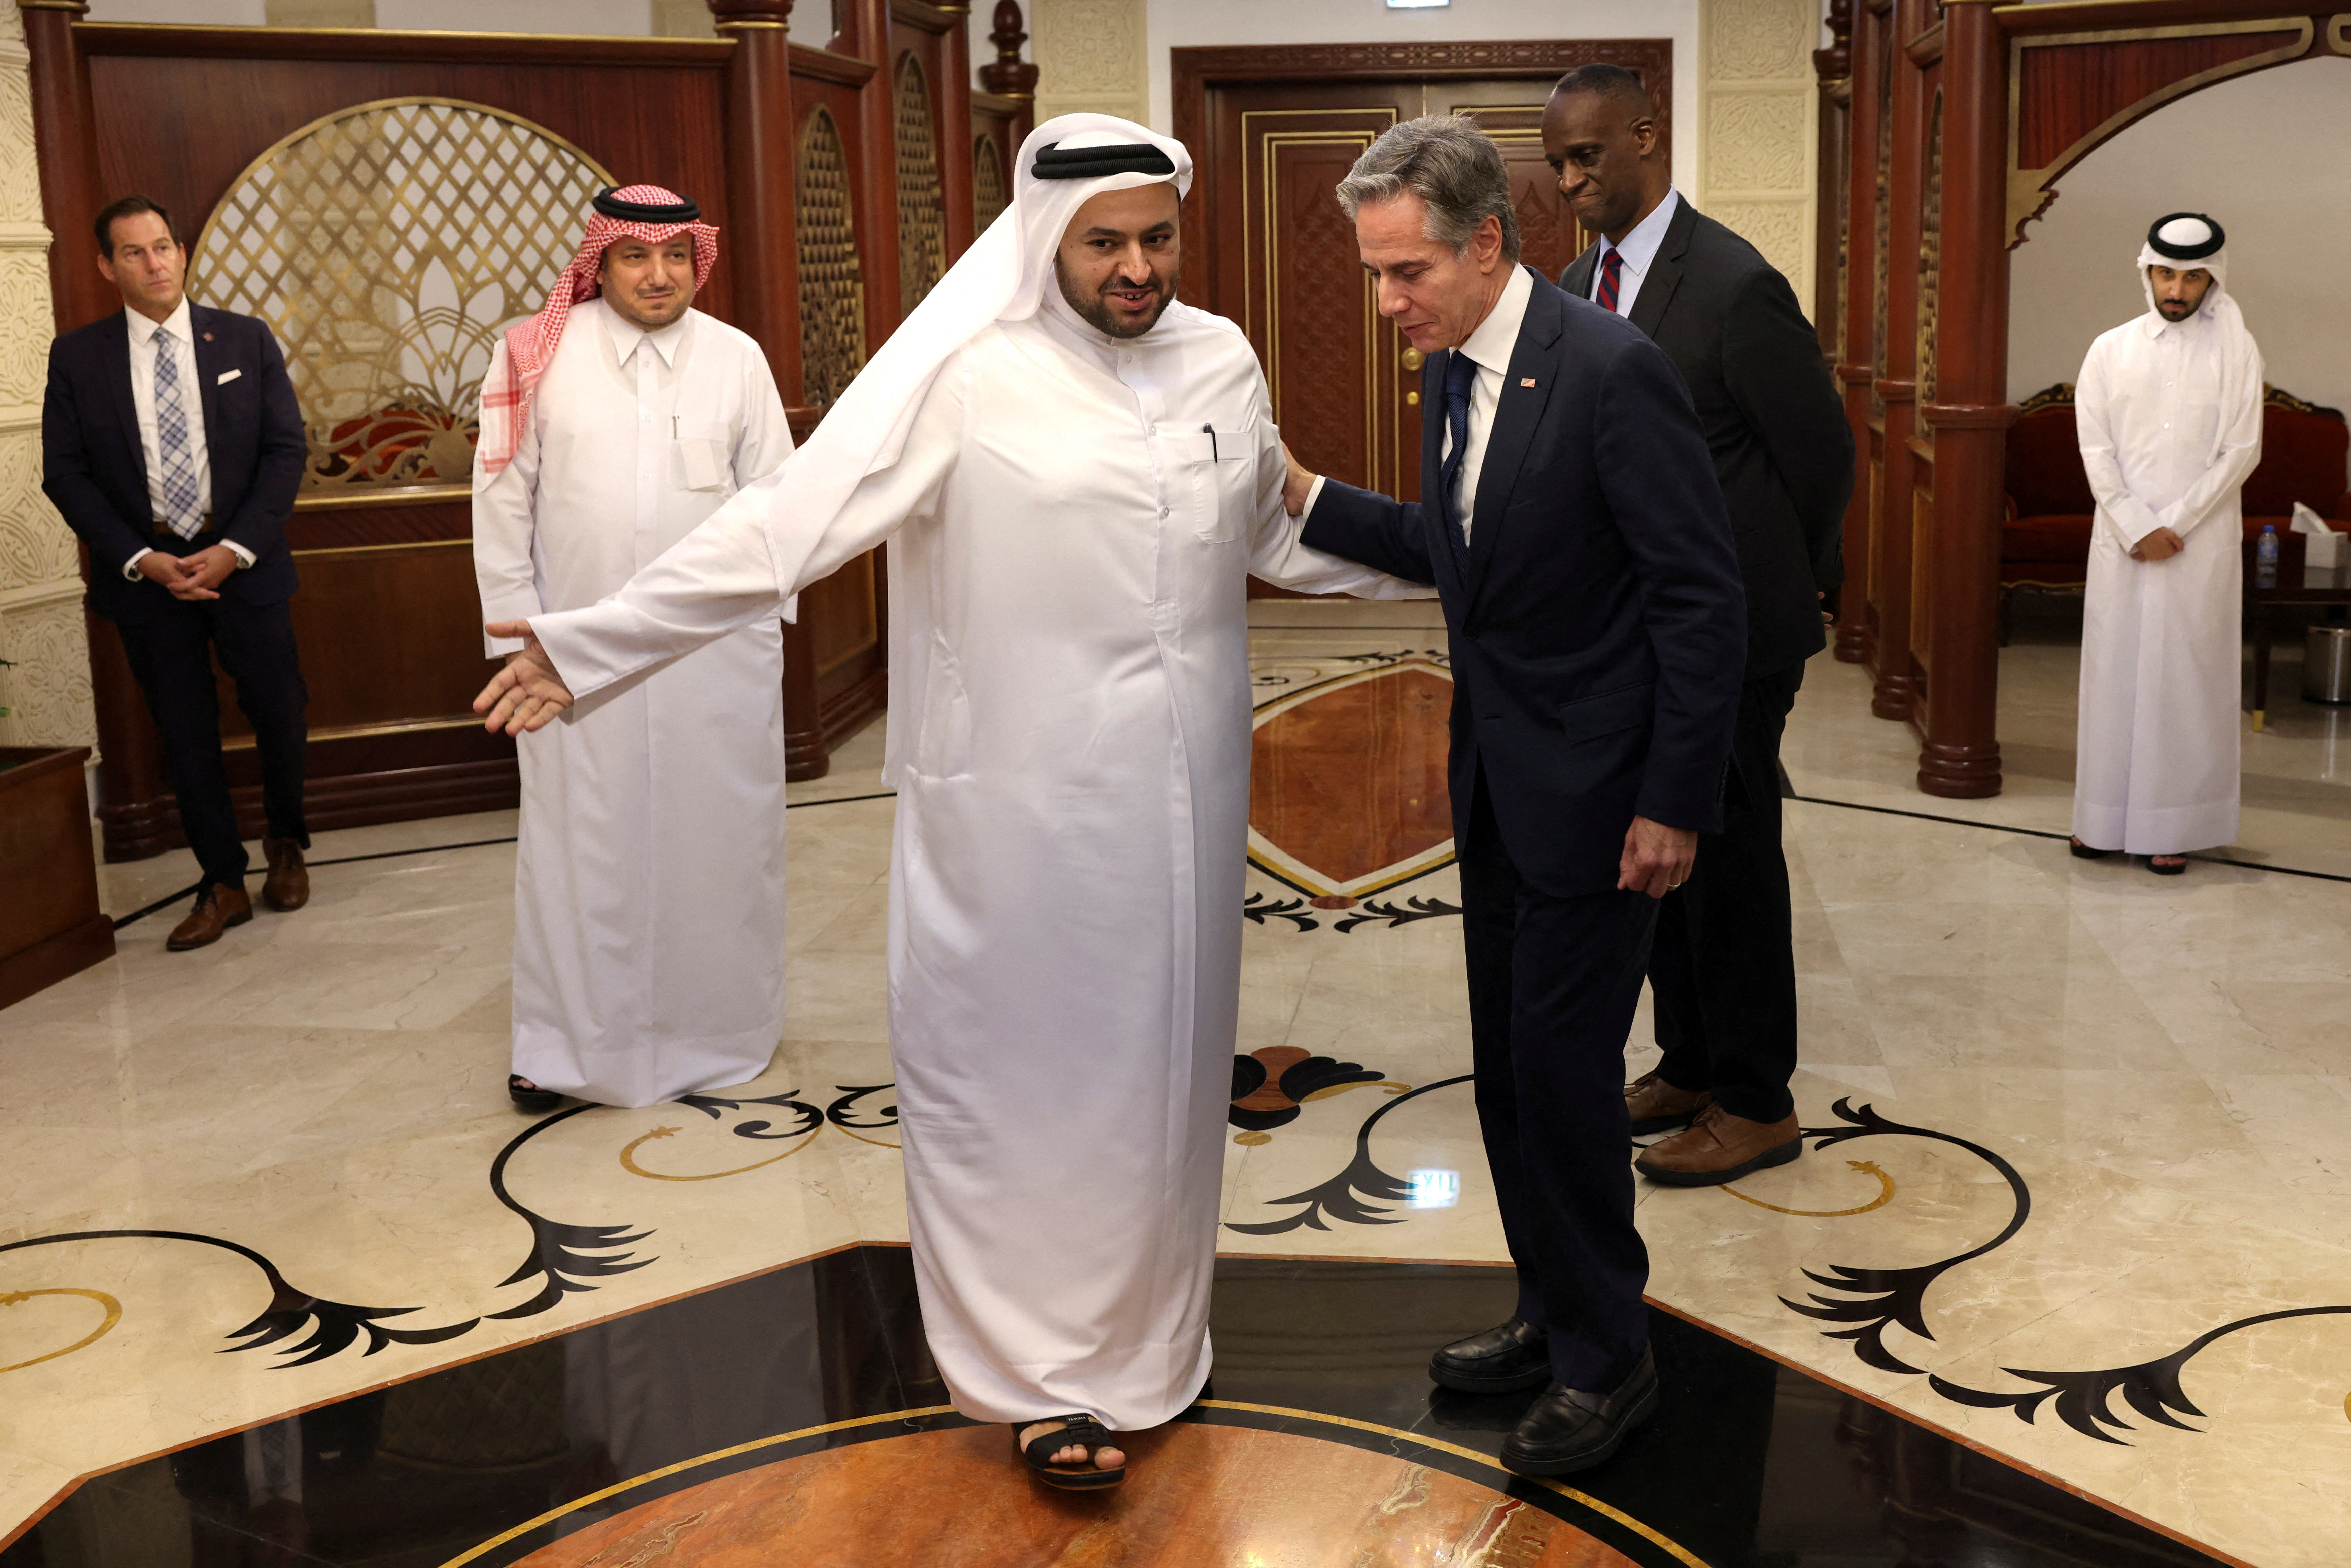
(1280, 555)
(738, 566)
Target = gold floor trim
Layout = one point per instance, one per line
(552, 1514)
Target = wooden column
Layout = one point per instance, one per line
(1834, 66)
(1895, 691)
(1970, 415)
(1009, 76)
(760, 173)
(1853, 374)
(877, 180)
(952, 108)
(140, 820)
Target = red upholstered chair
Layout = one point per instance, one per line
(2045, 538)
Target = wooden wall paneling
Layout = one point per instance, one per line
(951, 104)
(1970, 413)
(876, 171)
(1927, 52)
(1895, 689)
(1008, 79)
(835, 664)
(994, 122)
(182, 112)
(2077, 74)
(51, 925)
(1855, 370)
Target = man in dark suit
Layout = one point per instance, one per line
(1722, 973)
(1577, 540)
(172, 443)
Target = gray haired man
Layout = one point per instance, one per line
(1572, 523)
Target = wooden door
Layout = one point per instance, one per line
(1281, 262)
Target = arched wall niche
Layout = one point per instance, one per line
(2260, 153)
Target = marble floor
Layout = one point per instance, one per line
(2076, 1205)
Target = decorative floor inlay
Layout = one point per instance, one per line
(2074, 1191)
(1202, 1493)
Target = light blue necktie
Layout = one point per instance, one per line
(180, 508)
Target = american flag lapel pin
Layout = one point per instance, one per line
(1526, 381)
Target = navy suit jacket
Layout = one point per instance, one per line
(95, 471)
(1598, 630)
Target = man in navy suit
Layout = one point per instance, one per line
(172, 443)
(1576, 535)
(1722, 972)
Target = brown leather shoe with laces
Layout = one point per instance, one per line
(287, 888)
(1657, 1107)
(1720, 1147)
(217, 908)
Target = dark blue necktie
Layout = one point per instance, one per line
(1460, 374)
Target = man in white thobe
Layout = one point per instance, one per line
(1080, 475)
(648, 878)
(2169, 408)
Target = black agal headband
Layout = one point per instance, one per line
(686, 212)
(1092, 162)
(2184, 247)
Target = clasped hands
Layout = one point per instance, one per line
(190, 577)
(2160, 545)
(526, 692)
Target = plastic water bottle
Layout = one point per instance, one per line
(2266, 553)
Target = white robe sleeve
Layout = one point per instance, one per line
(2240, 454)
(748, 557)
(766, 438)
(504, 517)
(2127, 519)
(1276, 554)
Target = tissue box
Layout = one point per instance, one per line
(2322, 549)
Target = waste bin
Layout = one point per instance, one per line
(2326, 664)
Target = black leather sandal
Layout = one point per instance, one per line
(2082, 851)
(1080, 1430)
(529, 1101)
(2178, 868)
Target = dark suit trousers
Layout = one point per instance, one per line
(1553, 983)
(170, 654)
(1722, 974)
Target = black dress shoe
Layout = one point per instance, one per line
(531, 1101)
(1503, 1360)
(1569, 1429)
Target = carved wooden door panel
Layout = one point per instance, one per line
(1280, 259)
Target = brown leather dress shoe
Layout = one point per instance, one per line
(1720, 1147)
(1657, 1107)
(217, 908)
(287, 888)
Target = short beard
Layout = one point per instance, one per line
(1096, 312)
(2176, 310)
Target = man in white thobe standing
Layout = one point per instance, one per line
(1080, 474)
(2169, 408)
(648, 878)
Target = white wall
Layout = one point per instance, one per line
(2269, 155)
(1192, 24)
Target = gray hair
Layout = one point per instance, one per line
(1451, 165)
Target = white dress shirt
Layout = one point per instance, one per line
(142, 398)
(1489, 347)
(1639, 252)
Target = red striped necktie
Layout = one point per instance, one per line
(1612, 267)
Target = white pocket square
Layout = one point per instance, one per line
(226, 377)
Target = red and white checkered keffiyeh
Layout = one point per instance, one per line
(531, 345)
